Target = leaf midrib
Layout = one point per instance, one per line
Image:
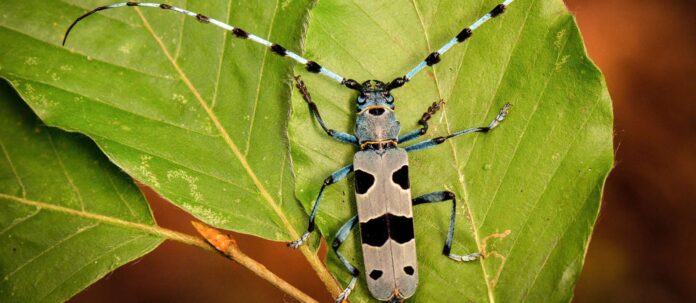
(460, 178)
(223, 132)
(149, 229)
(328, 280)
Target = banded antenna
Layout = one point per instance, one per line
(434, 57)
(237, 32)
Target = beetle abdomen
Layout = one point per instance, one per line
(386, 223)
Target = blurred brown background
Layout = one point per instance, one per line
(643, 248)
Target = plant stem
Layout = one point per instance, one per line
(226, 245)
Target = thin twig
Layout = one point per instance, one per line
(227, 246)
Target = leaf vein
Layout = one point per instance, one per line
(555, 245)
(49, 248)
(120, 197)
(69, 277)
(258, 84)
(222, 58)
(524, 132)
(19, 221)
(72, 51)
(556, 170)
(71, 182)
(113, 106)
(14, 170)
(314, 262)
(462, 179)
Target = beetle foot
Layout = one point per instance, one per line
(464, 258)
(295, 244)
(346, 292)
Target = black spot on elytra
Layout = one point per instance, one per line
(363, 181)
(374, 232)
(401, 177)
(400, 228)
(377, 231)
(376, 274)
(409, 270)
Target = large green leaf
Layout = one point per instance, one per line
(182, 106)
(539, 175)
(67, 215)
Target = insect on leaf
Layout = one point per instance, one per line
(528, 193)
(67, 215)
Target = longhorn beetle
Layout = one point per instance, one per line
(382, 187)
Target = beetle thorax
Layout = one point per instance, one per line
(376, 123)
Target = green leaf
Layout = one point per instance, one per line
(181, 106)
(539, 174)
(67, 215)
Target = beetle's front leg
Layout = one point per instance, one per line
(439, 140)
(340, 136)
(335, 177)
(423, 122)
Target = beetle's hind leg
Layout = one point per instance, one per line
(341, 236)
(441, 196)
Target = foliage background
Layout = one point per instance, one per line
(641, 249)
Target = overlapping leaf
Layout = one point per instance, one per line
(182, 106)
(67, 215)
(538, 176)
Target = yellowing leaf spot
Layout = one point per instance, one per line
(31, 61)
(559, 39)
(179, 98)
(126, 48)
(561, 62)
(144, 170)
(209, 216)
(190, 180)
(38, 99)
